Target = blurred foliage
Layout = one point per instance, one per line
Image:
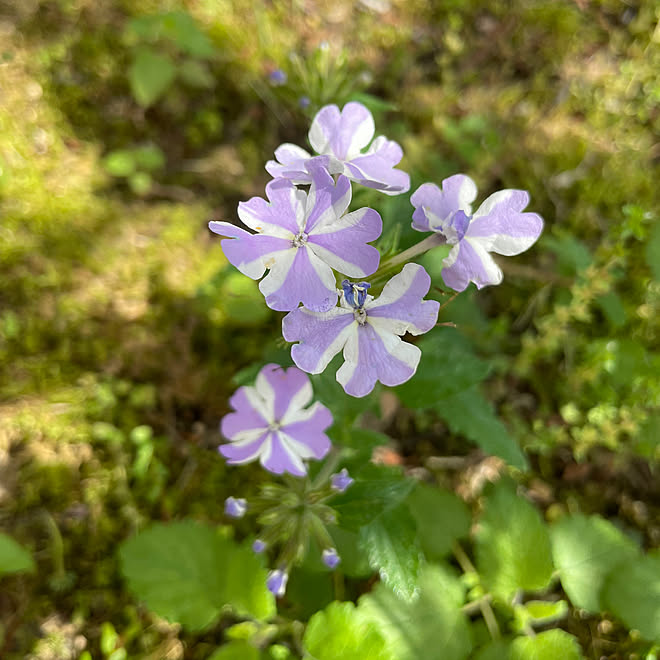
(125, 126)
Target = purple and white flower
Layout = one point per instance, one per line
(235, 507)
(258, 546)
(271, 423)
(301, 237)
(341, 480)
(330, 558)
(368, 331)
(498, 225)
(340, 138)
(276, 582)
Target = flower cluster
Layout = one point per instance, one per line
(310, 243)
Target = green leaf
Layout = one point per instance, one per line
(632, 593)
(538, 613)
(653, 251)
(182, 28)
(196, 74)
(441, 518)
(612, 306)
(647, 442)
(512, 544)
(150, 75)
(186, 572)
(392, 548)
(237, 650)
(341, 631)
(448, 366)
(13, 557)
(470, 414)
(376, 490)
(120, 162)
(496, 650)
(149, 157)
(585, 549)
(548, 645)
(354, 563)
(432, 627)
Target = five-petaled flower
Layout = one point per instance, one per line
(271, 423)
(301, 237)
(368, 330)
(498, 226)
(339, 138)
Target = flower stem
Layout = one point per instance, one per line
(419, 248)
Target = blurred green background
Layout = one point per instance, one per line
(126, 125)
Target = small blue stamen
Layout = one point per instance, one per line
(351, 289)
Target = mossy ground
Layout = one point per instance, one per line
(121, 325)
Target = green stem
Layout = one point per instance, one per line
(484, 602)
(419, 248)
(330, 465)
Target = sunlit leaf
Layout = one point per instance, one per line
(512, 544)
(585, 549)
(187, 572)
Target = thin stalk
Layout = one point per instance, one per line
(484, 602)
(419, 248)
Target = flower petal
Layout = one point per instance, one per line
(375, 169)
(248, 416)
(285, 390)
(250, 253)
(371, 355)
(283, 217)
(244, 451)
(433, 206)
(321, 336)
(326, 201)
(301, 277)
(290, 164)
(343, 246)
(499, 226)
(279, 456)
(470, 262)
(400, 307)
(344, 134)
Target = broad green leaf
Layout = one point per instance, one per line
(342, 631)
(512, 544)
(186, 572)
(549, 645)
(632, 593)
(449, 366)
(196, 74)
(470, 414)
(182, 28)
(653, 251)
(120, 162)
(150, 75)
(13, 557)
(432, 627)
(392, 548)
(496, 650)
(149, 157)
(376, 490)
(441, 518)
(354, 562)
(237, 650)
(538, 613)
(612, 306)
(647, 442)
(585, 549)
